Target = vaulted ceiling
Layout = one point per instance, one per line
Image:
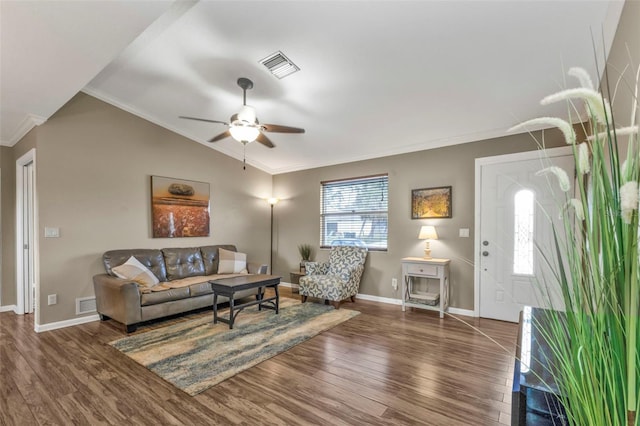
(377, 77)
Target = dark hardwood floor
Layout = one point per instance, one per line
(383, 367)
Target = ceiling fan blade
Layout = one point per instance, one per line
(204, 119)
(220, 136)
(265, 140)
(276, 128)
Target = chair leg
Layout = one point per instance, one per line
(353, 298)
(303, 298)
(335, 304)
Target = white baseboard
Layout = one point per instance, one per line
(66, 323)
(8, 308)
(379, 299)
(465, 312)
(454, 311)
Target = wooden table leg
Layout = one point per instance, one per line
(277, 298)
(231, 311)
(215, 308)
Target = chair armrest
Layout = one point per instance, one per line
(257, 268)
(117, 298)
(351, 274)
(316, 268)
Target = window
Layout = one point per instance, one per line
(354, 212)
(523, 232)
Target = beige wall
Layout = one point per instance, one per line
(7, 178)
(94, 163)
(298, 215)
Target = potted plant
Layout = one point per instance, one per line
(595, 342)
(305, 255)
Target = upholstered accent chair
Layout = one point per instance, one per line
(337, 279)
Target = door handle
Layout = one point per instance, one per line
(485, 253)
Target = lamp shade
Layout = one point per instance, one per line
(243, 133)
(273, 200)
(428, 232)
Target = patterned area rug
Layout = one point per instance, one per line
(195, 355)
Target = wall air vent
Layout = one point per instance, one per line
(85, 305)
(279, 65)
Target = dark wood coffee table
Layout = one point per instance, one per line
(229, 286)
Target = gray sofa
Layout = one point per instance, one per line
(184, 275)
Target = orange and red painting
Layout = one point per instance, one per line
(180, 208)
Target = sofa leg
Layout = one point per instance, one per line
(131, 328)
(104, 317)
(303, 298)
(353, 298)
(335, 304)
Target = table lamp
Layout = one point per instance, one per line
(427, 233)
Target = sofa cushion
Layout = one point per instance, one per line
(150, 258)
(183, 262)
(133, 270)
(232, 262)
(200, 289)
(156, 297)
(210, 257)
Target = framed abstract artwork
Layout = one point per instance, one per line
(179, 208)
(431, 203)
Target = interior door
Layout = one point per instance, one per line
(516, 210)
(28, 232)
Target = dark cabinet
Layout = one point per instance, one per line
(534, 399)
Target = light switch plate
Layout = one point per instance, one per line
(464, 233)
(51, 232)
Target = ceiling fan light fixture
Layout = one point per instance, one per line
(244, 134)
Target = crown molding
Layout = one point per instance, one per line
(128, 108)
(29, 122)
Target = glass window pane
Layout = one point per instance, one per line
(354, 212)
(523, 232)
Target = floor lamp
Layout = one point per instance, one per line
(272, 202)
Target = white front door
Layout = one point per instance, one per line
(516, 210)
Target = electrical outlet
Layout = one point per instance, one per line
(52, 299)
(394, 283)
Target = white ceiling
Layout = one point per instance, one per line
(377, 77)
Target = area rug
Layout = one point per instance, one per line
(196, 354)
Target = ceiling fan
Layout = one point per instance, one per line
(244, 126)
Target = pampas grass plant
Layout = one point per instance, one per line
(595, 339)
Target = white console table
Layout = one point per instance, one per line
(417, 267)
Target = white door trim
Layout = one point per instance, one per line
(29, 157)
(519, 156)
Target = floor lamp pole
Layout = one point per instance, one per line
(271, 244)
(272, 202)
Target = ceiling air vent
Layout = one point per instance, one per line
(279, 65)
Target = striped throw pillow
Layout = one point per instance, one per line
(133, 270)
(231, 262)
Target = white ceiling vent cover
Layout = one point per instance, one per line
(279, 65)
(85, 305)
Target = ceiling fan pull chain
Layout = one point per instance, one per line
(244, 156)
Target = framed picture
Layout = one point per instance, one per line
(179, 208)
(431, 203)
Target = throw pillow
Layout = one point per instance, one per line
(231, 262)
(134, 270)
